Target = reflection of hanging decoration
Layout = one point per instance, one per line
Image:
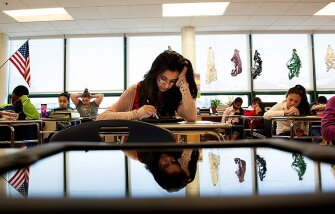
(257, 69)
(214, 161)
(241, 169)
(294, 65)
(299, 165)
(261, 163)
(237, 63)
(330, 58)
(211, 71)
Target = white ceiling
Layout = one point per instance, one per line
(145, 16)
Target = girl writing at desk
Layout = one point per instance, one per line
(168, 87)
(296, 103)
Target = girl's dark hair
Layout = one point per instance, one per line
(21, 90)
(260, 104)
(65, 94)
(173, 182)
(168, 60)
(322, 99)
(304, 107)
(237, 100)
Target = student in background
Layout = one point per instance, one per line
(21, 105)
(234, 109)
(296, 103)
(84, 105)
(328, 121)
(168, 87)
(64, 104)
(256, 109)
(319, 107)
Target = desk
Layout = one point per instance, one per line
(251, 129)
(49, 125)
(87, 177)
(180, 128)
(295, 119)
(12, 124)
(197, 127)
(243, 124)
(210, 117)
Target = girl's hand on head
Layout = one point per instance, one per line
(182, 75)
(258, 109)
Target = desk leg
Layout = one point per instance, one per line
(12, 134)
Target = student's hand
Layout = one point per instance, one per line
(258, 109)
(292, 111)
(148, 110)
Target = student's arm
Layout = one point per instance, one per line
(29, 109)
(98, 98)
(187, 108)
(276, 111)
(123, 108)
(328, 121)
(75, 98)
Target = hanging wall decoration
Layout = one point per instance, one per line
(211, 71)
(237, 63)
(294, 65)
(330, 58)
(257, 69)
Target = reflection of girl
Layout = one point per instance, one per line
(172, 170)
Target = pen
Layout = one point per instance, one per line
(155, 115)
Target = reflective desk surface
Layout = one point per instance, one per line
(256, 175)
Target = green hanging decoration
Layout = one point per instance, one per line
(299, 165)
(294, 65)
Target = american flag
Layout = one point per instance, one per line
(21, 61)
(20, 180)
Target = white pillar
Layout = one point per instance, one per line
(188, 44)
(4, 41)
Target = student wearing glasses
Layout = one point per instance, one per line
(167, 88)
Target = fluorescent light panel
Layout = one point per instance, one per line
(39, 15)
(194, 9)
(328, 10)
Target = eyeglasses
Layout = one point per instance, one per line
(164, 80)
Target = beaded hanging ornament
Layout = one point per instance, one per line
(257, 69)
(294, 65)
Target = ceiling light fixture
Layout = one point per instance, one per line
(194, 9)
(328, 10)
(39, 15)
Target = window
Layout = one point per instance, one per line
(275, 51)
(223, 47)
(324, 78)
(140, 63)
(95, 63)
(46, 64)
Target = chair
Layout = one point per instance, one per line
(138, 131)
